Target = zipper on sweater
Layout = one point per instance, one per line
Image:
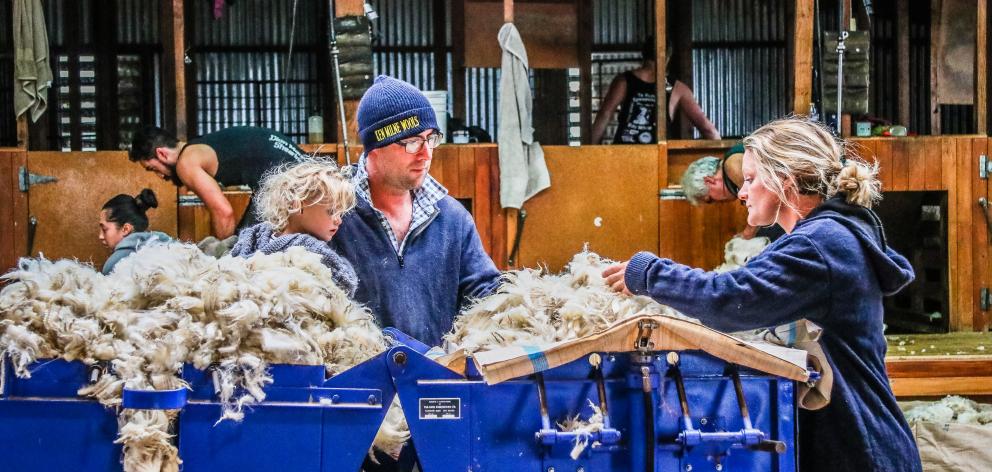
(399, 257)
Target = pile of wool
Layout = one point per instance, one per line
(212, 246)
(950, 409)
(531, 307)
(170, 304)
(738, 251)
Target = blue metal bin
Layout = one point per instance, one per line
(665, 411)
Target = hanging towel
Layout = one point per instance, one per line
(32, 73)
(522, 170)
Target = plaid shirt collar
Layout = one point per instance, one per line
(425, 200)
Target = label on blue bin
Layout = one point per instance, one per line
(440, 408)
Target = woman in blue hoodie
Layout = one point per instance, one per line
(833, 268)
(124, 225)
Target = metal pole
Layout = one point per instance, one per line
(337, 83)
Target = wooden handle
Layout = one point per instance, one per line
(508, 11)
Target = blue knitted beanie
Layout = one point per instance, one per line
(392, 110)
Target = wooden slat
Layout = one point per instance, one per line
(499, 226)
(802, 59)
(437, 164)
(962, 320)
(466, 173)
(934, 168)
(948, 156)
(936, 367)
(883, 154)
(22, 132)
(913, 387)
(482, 201)
(915, 150)
(452, 178)
(900, 165)
(980, 235)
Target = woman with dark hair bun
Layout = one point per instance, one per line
(124, 225)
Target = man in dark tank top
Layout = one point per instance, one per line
(235, 156)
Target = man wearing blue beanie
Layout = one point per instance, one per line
(417, 252)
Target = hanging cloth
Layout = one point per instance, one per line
(32, 72)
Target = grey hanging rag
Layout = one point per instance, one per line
(32, 72)
(522, 170)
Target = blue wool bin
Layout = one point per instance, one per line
(45, 425)
(677, 411)
(306, 423)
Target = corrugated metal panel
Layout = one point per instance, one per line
(249, 88)
(957, 119)
(256, 23)
(622, 22)
(137, 22)
(740, 63)
(414, 67)
(885, 83)
(404, 22)
(55, 17)
(482, 97)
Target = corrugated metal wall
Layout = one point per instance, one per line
(8, 124)
(242, 76)
(740, 63)
(884, 99)
(137, 22)
(919, 69)
(622, 22)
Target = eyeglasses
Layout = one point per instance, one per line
(416, 143)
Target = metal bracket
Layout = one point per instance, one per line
(984, 167)
(26, 179)
(643, 342)
(521, 218)
(984, 203)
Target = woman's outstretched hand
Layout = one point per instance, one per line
(614, 276)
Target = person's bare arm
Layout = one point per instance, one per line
(614, 96)
(683, 101)
(192, 172)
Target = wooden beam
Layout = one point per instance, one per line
(350, 8)
(22, 130)
(902, 60)
(174, 67)
(458, 60)
(440, 45)
(845, 118)
(802, 57)
(585, 12)
(934, 66)
(981, 69)
(660, 31)
(507, 11)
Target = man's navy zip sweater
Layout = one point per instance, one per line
(421, 290)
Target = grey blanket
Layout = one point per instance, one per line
(259, 238)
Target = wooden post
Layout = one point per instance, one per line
(349, 8)
(981, 69)
(458, 108)
(934, 66)
(902, 60)
(22, 129)
(174, 66)
(802, 57)
(440, 46)
(660, 30)
(507, 11)
(585, 71)
(845, 118)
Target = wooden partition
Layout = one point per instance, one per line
(695, 235)
(949, 164)
(67, 212)
(13, 208)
